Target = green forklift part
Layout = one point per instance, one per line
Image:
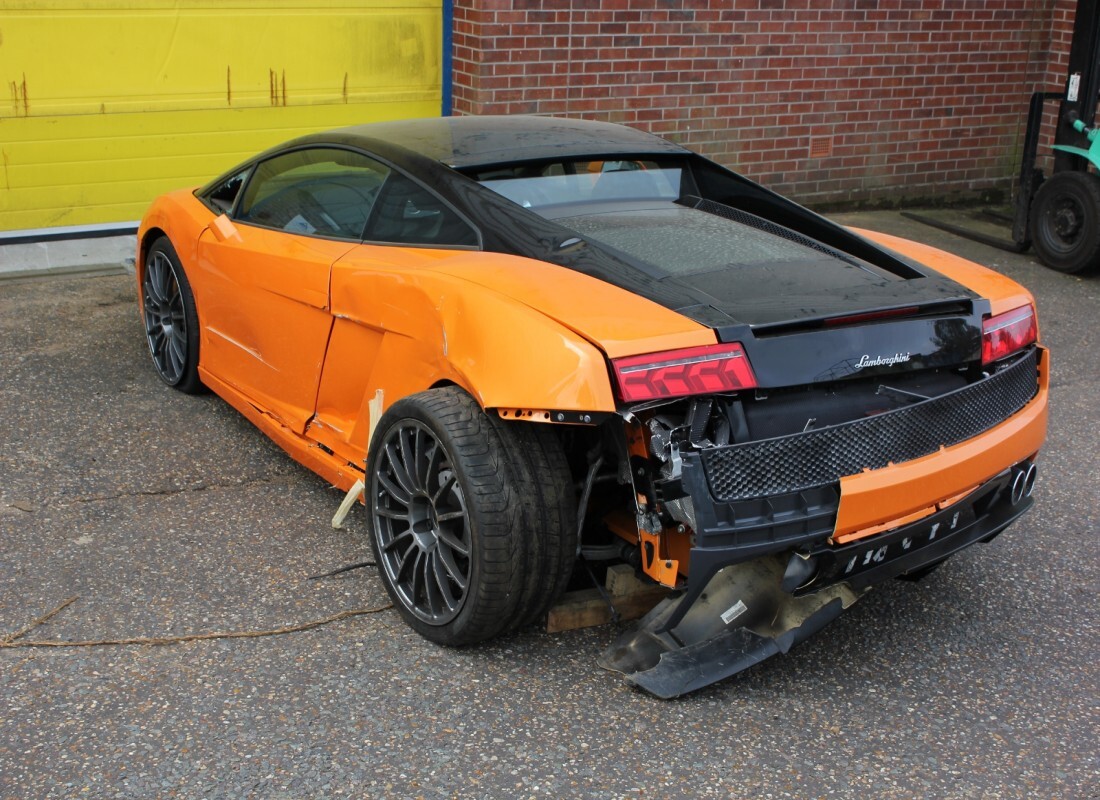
(1093, 153)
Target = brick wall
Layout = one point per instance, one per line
(825, 100)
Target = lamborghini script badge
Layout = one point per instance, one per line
(882, 361)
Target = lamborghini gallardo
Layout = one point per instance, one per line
(527, 344)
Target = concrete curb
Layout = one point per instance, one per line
(99, 255)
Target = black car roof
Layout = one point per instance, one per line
(462, 142)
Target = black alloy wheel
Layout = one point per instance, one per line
(1065, 222)
(422, 524)
(171, 322)
(473, 519)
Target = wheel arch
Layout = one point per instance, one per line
(148, 237)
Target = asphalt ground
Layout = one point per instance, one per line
(166, 515)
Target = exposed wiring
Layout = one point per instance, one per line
(582, 511)
(601, 589)
(582, 508)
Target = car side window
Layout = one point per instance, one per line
(320, 191)
(407, 213)
(222, 197)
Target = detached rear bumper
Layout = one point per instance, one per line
(768, 572)
(979, 517)
(833, 517)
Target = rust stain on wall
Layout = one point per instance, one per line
(19, 98)
(277, 87)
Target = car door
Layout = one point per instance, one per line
(408, 227)
(266, 314)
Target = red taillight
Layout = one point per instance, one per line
(676, 373)
(1006, 333)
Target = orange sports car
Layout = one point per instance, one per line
(530, 343)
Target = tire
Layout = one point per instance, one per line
(171, 321)
(472, 518)
(1065, 222)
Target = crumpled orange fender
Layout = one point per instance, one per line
(437, 328)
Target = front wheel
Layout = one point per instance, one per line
(171, 321)
(1065, 222)
(472, 519)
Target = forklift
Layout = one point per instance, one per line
(1059, 215)
(1064, 211)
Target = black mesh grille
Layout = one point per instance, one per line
(753, 221)
(817, 458)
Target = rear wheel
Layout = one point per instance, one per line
(171, 321)
(472, 520)
(1065, 222)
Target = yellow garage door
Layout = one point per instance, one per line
(111, 103)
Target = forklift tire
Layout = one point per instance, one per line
(1065, 222)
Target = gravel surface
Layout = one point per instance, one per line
(166, 515)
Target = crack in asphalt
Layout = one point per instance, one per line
(30, 508)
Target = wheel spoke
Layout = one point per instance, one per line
(154, 278)
(398, 469)
(408, 457)
(444, 488)
(404, 539)
(177, 355)
(433, 592)
(393, 490)
(454, 572)
(431, 465)
(162, 277)
(392, 513)
(443, 579)
(419, 571)
(408, 566)
(451, 542)
(416, 467)
(156, 341)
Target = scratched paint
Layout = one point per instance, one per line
(226, 80)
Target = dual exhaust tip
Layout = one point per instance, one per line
(1023, 482)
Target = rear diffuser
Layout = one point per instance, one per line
(741, 618)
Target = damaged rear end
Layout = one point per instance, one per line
(858, 415)
(777, 475)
